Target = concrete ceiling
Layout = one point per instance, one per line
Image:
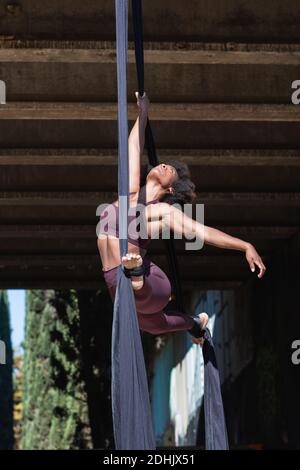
(219, 79)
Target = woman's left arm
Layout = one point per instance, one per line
(136, 142)
(221, 239)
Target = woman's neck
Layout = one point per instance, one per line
(152, 191)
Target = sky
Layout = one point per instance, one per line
(16, 299)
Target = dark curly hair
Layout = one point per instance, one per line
(184, 188)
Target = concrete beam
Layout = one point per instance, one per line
(80, 208)
(172, 20)
(69, 268)
(87, 170)
(253, 76)
(184, 125)
(75, 240)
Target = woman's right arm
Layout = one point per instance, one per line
(176, 220)
(182, 224)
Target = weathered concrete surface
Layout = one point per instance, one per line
(80, 208)
(85, 269)
(196, 20)
(172, 76)
(93, 169)
(219, 76)
(183, 125)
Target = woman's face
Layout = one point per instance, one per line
(165, 174)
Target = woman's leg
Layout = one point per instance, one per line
(164, 322)
(151, 300)
(155, 293)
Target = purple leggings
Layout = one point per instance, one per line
(150, 301)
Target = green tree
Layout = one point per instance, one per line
(18, 396)
(55, 414)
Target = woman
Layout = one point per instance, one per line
(166, 184)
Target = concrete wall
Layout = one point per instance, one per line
(253, 327)
(178, 380)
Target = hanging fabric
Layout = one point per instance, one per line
(131, 411)
(215, 424)
(137, 19)
(215, 427)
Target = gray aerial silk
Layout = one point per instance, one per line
(215, 426)
(131, 411)
(132, 420)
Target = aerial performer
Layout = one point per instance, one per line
(167, 186)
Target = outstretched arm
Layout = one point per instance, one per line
(180, 223)
(221, 239)
(136, 142)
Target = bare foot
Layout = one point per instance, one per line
(131, 261)
(203, 322)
